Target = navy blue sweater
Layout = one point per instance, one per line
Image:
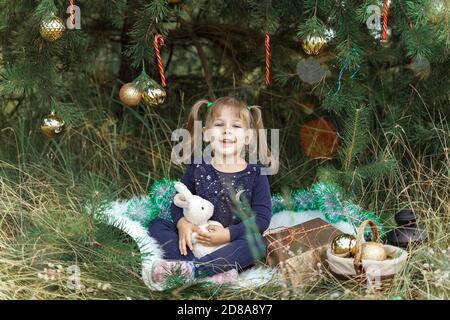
(217, 187)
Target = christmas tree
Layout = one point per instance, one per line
(364, 82)
(373, 75)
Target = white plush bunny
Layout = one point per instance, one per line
(197, 211)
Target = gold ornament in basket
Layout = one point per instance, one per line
(362, 269)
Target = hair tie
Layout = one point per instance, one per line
(209, 104)
(248, 108)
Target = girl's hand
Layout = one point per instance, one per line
(216, 236)
(185, 230)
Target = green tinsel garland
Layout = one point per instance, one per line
(321, 196)
(161, 195)
(155, 205)
(326, 198)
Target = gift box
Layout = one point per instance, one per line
(300, 250)
(285, 243)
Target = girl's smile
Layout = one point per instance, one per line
(228, 141)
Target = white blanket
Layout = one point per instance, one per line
(151, 251)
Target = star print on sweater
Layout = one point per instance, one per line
(218, 187)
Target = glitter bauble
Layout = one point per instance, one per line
(51, 29)
(313, 44)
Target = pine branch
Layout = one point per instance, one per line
(202, 57)
(355, 138)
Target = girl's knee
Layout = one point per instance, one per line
(254, 244)
(253, 238)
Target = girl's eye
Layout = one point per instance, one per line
(237, 126)
(218, 124)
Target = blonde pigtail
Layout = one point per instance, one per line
(195, 144)
(257, 124)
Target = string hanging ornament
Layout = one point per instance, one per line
(351, 62)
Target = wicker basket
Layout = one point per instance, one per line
(368, 271)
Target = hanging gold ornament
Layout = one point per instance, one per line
(130, 94)
(313, 44)
(153, 94)
(52, 125)
(343, 245)
(373, 251)
(51, 29)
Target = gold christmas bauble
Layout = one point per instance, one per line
(313, 44)
(130, 94)
(373, 251)
(51, 29)
(153, 94)
(343, 245)
(52, 125)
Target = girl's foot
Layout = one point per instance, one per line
(164, 268)
(227, 277)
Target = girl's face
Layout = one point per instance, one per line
(228, 134)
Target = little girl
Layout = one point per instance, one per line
(229, 124)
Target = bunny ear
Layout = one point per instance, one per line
(183, 190)
(181, 201)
